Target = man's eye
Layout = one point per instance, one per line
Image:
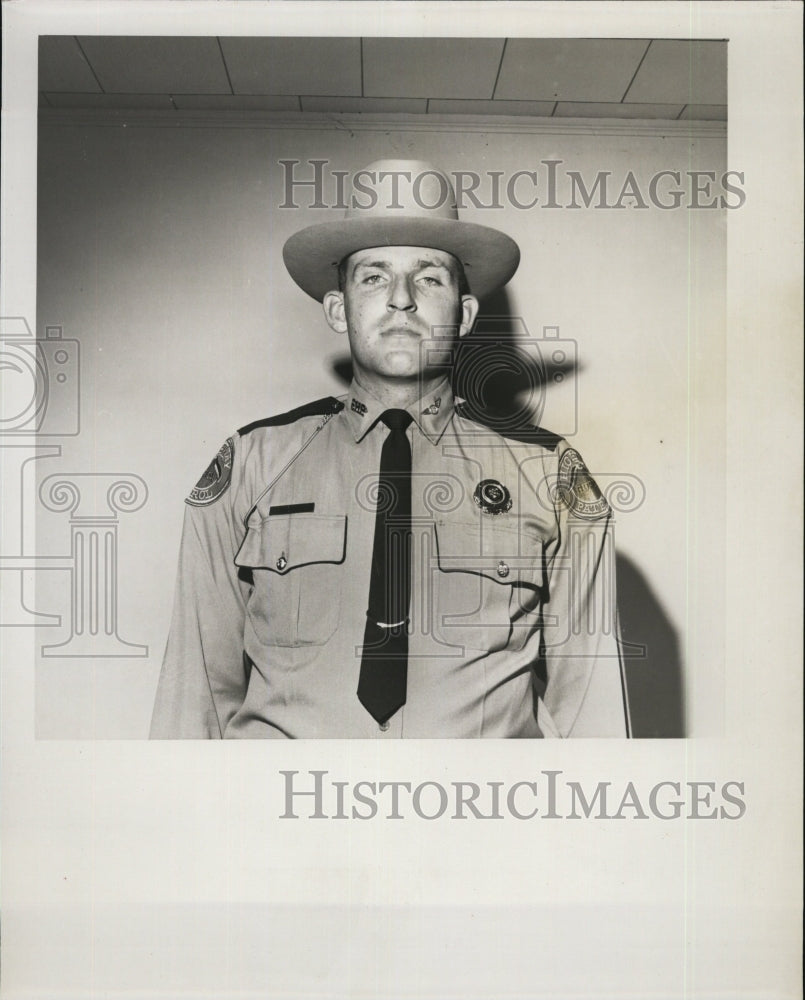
(430, 280)
(371, 279)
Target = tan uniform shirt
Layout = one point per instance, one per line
(512, 620)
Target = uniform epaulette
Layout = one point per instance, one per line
(319, 407)
(522, 433)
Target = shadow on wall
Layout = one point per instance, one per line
(654, 682)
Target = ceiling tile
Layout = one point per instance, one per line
(62, 66)
(568, 69)
(581, 109)
(683, 71)
(705, 113)
(291, 66)
(368, 105)
(234, 102)
(537, 109)
(430, 67)
(143, 64)
(127, 102)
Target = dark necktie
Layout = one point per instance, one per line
(384, 660)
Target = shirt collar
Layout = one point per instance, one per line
(431, 412)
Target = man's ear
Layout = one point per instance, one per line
(334, 311)
(469, 310)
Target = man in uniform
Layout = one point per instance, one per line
(382, 565)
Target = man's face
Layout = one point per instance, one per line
(395, 300)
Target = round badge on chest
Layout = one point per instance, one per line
(492, 497)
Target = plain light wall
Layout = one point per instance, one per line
(159, 249)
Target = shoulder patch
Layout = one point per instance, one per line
(522, 433)
(215, 479)
(320, 407)
(577, 489)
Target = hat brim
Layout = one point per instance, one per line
(312, 255)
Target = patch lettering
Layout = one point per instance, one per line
(577, 489)
(215, 479)
(358, 407)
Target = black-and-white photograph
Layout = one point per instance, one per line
(397, 383)
(548, 309)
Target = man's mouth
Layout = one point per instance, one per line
(400, 331)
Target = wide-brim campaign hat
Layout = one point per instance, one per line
(400, 203)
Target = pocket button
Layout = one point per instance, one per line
(503, 570)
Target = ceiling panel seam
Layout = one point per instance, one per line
(86, 60)
(500, 67)
(637, 70)
(226, 68)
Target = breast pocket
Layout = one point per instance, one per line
(487, 586)
(296, 565)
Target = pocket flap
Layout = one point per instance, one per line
(281, 543)
(505, 555)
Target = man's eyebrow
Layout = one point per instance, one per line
(421, 264)
(383, 264)
(429, 262)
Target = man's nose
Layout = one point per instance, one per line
(401, 295)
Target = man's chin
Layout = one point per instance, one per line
(415, 375)
(402, 364)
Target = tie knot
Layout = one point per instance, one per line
(396, 420)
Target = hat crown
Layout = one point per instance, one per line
(402, 189)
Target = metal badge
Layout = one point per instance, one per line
(492, 497)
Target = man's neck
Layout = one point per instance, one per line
(399, 395)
